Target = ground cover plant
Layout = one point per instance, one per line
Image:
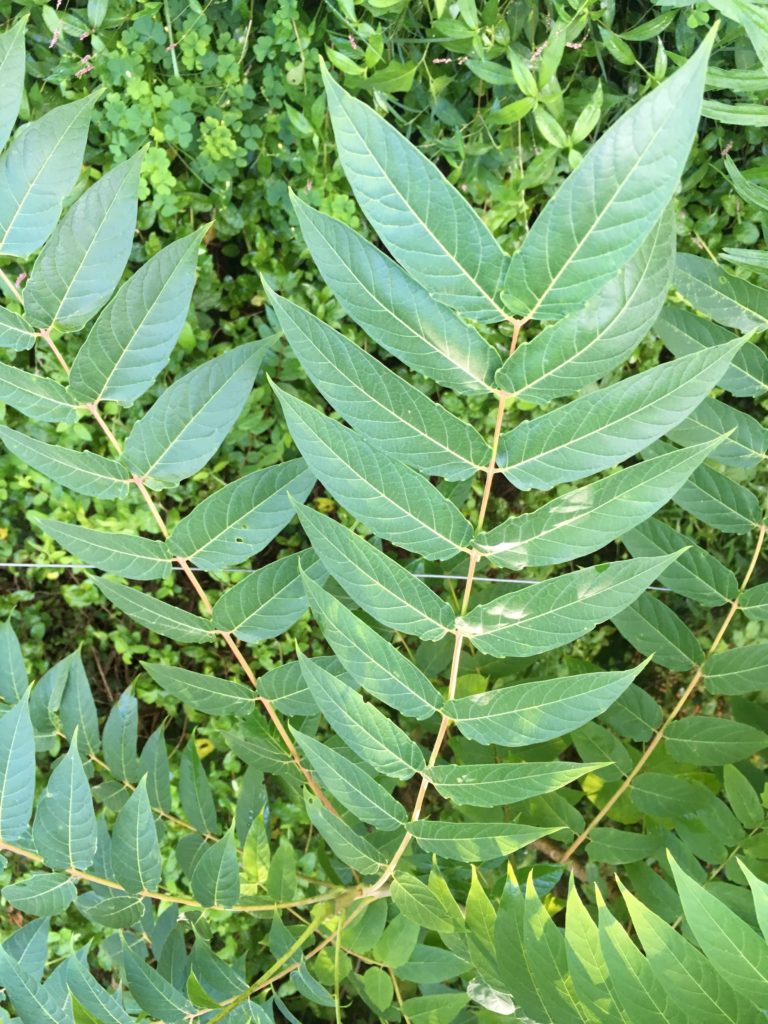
(424, 807)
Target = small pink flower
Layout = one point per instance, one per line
(54, 40)
(20, 278)
(309, 185)
(352, 41)
(442, 60)
(538, 52)
(84, 70)
(85, 35)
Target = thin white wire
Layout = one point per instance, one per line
(177, 568)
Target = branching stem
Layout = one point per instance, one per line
(685, 695)
(229, 640)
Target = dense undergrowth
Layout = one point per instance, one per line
(506, 100)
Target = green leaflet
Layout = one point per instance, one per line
(754, 602)
(605, 427)
(82, 262)
(37, 397)
(64, 829)
(739, 670)
(527, 713)
(547, 615)
(215, 878)
(393, 415)
(668, 796)
(136, 558)
(15, 332)
(602, 213)
(43, 893)
(240, 519)
(546, 956)
(630, 975)
(350, 847)
(683, 332)
(31, 1000)
(718, 501)
(657, 632)
(201, 691)
(159, 616)
(92, 996)
(17, 770)
(365, 729)
(712, 741)
(751, 193)
(683, 971)
(695, 573)
(133, 338)
(12, 61)
(474, 841)
(381, 586)
(119, 912)
(119, 738)
(37, 172)
(733, 950)
(267, 601)
(424, 222)
(370, 660)
(354, 787)
(580, 349)
(286, 689)
(82, 472)
(390, 498)
(136, 861)
(195, 792)
(156, 996)
(153, 764)
(395, 311)
(497, 785)
(13, 674)
(743, 449)
(191, 418)
(587, 518)
(728, 299)
(585, 961)
(77, 709)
